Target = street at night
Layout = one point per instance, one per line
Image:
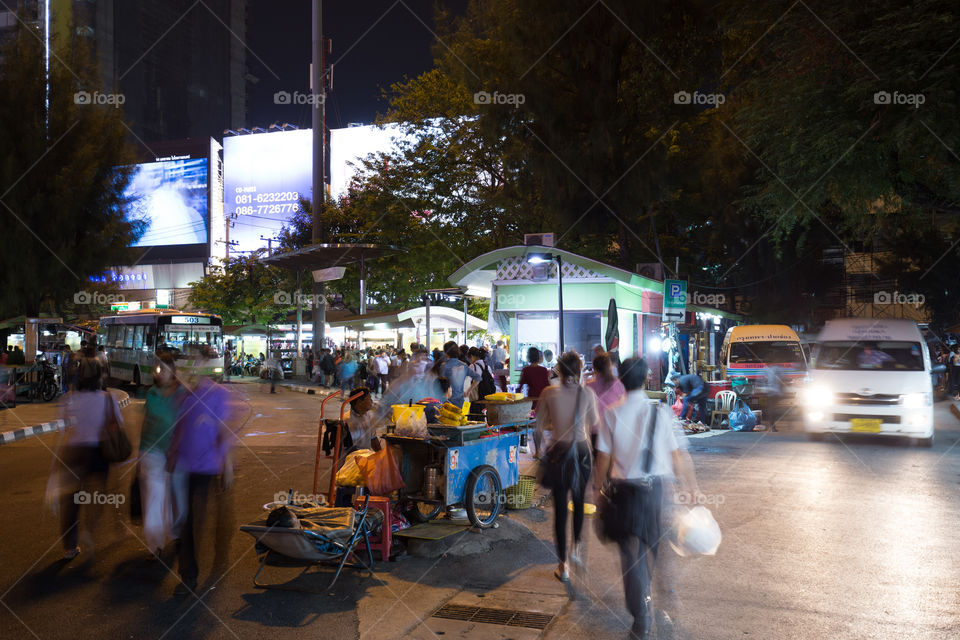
(480, 319)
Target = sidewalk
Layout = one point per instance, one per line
(300, 384)
(33, 419)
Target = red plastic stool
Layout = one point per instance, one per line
(384, 540)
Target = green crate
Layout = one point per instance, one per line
(520, 495)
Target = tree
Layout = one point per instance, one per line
(63, 172)
(851, 112)
(243, 291)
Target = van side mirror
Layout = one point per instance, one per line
(938, 368)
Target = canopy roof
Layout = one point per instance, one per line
(478, 274)
(440, 318)
(324, 256)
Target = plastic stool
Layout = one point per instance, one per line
(383, 541)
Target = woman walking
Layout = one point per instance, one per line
(161, 409)
(90, 411)
(569, 412)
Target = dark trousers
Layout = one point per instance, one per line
(199, 490)
(698, 398)
(570, 480)
(87, 472)
(638, 557)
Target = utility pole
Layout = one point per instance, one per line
(318, 306)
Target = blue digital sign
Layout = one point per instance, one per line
(171, 197)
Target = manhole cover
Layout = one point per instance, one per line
(506, 617)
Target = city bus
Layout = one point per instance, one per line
(132, 340)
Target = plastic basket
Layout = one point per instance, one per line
(520, 495)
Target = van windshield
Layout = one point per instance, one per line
(780, 352)
(859, 356)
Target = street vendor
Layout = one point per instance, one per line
(363, 419)
(456, 371)
(432, 410)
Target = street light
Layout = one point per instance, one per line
(544, 258)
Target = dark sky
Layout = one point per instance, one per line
(367, 55)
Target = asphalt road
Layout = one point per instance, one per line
(837, 539)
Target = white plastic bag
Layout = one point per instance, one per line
(696, 533)
(412, 424)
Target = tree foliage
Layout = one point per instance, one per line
(63, 172)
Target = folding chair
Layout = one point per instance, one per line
(722, 406)
(327, 535)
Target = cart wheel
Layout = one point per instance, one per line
(484, 496)
(423, 511)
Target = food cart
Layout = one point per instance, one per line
(467, 466)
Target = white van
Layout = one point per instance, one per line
(870, 376)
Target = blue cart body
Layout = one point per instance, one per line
(455, 460)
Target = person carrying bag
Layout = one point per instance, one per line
(568, 411)
(639, 453)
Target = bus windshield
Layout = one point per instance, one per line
(191, 341)
(858, 356)
(780, 352)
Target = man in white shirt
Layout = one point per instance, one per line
(622, 441)
(382, 364)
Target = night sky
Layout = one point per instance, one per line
(365, 62)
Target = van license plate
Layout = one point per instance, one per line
(865, 425)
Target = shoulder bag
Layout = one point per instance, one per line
(625, 506)
(561, 454)
(114, 444)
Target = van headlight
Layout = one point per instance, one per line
(916, 400)
(817, 396)
(218, 369)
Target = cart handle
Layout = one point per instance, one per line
(316, 464)
(336, 449)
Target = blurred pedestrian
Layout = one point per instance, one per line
(348, 371)
(608, 388)
(161, 410)
(535, 376)
(456, 371)
(569, 412)
(87, 411)
(274, 370)
(200, 450)
(640, 451)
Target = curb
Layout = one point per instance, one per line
(47, 427)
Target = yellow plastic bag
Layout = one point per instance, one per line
(349, 475)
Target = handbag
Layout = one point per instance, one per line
(560, 455)
(626, 507)
(114, 444)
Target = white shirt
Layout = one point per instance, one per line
(624, 426)
(383, 365)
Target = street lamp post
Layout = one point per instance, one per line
(541, 258)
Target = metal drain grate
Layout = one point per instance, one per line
(506, 617)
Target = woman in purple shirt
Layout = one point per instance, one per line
(608, 388)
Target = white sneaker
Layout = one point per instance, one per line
(576, 556)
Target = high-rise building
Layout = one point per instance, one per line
(180, 65)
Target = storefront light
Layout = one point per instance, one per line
(655, 343)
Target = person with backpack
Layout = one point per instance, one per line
(486, 386)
